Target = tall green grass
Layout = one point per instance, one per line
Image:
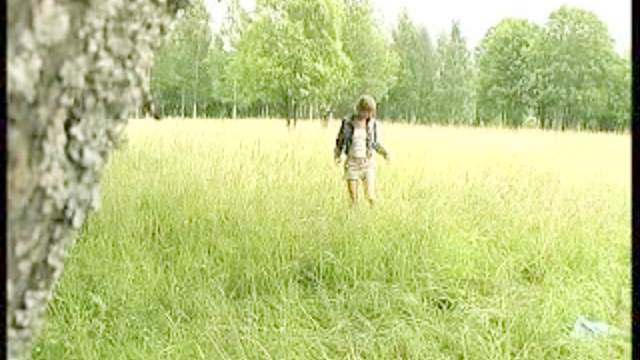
(234, 240)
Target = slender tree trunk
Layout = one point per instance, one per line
(288, 107)
(235, 99)
(182, 112)
(477, 117)
(295, 113)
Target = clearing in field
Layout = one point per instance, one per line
(234, 240)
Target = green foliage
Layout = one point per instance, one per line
(427, 65)
(413, 96)
(217, 63)
(574, 60)
(505, 72)
(180, 77)
(291, 54)
(454, 94)
(289, 58)
(617, 113)
(374, 61)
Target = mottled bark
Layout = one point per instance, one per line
(75, 70)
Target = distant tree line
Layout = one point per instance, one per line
(309, 58)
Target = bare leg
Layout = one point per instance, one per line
(369, 188)
(352, 186)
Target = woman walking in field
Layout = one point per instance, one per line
(357, 139)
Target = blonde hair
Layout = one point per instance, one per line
(366, 103)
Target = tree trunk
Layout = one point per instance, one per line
(182, 104)
(288, 110)
(67, 112)
(235, 100)
(477, 117)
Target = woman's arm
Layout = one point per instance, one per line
(337, 151)
(377, 146)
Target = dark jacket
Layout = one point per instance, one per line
(345, 136)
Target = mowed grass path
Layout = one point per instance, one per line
(233, 240)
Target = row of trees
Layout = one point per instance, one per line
(306, 58)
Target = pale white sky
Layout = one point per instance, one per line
(476, 17)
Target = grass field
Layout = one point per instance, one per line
(234, 240)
